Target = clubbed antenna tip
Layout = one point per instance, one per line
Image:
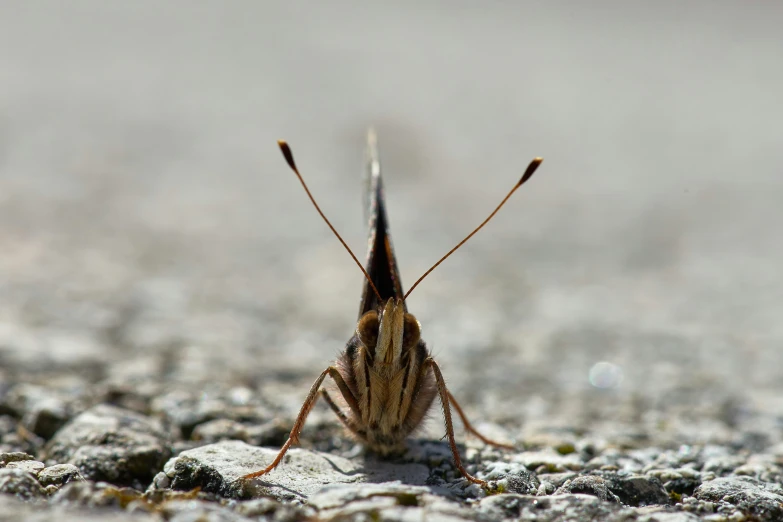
(287, 154)
(530, 170)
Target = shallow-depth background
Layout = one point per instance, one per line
(149, 226)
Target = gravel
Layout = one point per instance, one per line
(59, 475)
(219, 468)
(20, 484)
(111, 444)
(744, 494)
(206, 481)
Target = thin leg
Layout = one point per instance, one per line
(345, 391)
(444, 395)
(470, 429)
(308, 404)
(336, 409)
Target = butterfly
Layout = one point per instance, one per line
(386, 378)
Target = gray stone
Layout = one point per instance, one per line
(588, 485)
(545, 488)
(678, 482)
(14, 510)
(43, 409)
(20, 483)
(557, 479)
(752, 441)
(663, 516)
(59, 474)
(765, 467)
(94, 494)
(186, 410)
(189, 409)
(161, 481)
(199, 511)
(636, 490)
(46, 417)
(272, 433)
(33, 466)
(135, 397)
(334, 496)
(724, 464)
(220, 429)
(555, 508)
(682, 485)
(7, 420)
(219, 468)
(112, 444)
(8, 433)
(266, 508)
(699, 507)
(17, 456)
(15, 438)
(751, 496)
(387, 501)
(512, 478)
(506, 505)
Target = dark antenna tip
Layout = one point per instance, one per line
(530, 170)
(287, 154)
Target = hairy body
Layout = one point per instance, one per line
(395, 394)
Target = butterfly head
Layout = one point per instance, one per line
(389, 333)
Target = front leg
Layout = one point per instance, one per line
(339, 412)
(312, 397)
(444, 395)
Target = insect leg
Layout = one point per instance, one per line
(307, 406)
(470, 429)
(336, 409)
(345, 391)
(444, 395)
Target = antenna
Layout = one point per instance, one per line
(526, 176)
(289, 158)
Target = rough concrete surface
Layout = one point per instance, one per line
(168, 294)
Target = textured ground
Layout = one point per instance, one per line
(167, 294)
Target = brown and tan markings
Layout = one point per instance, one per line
(386, 377)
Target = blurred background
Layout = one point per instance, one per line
(151, 231)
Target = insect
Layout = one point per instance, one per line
(386, 376)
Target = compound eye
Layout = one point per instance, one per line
(367, 329)
(411, 332)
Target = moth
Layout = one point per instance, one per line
(386, 377)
